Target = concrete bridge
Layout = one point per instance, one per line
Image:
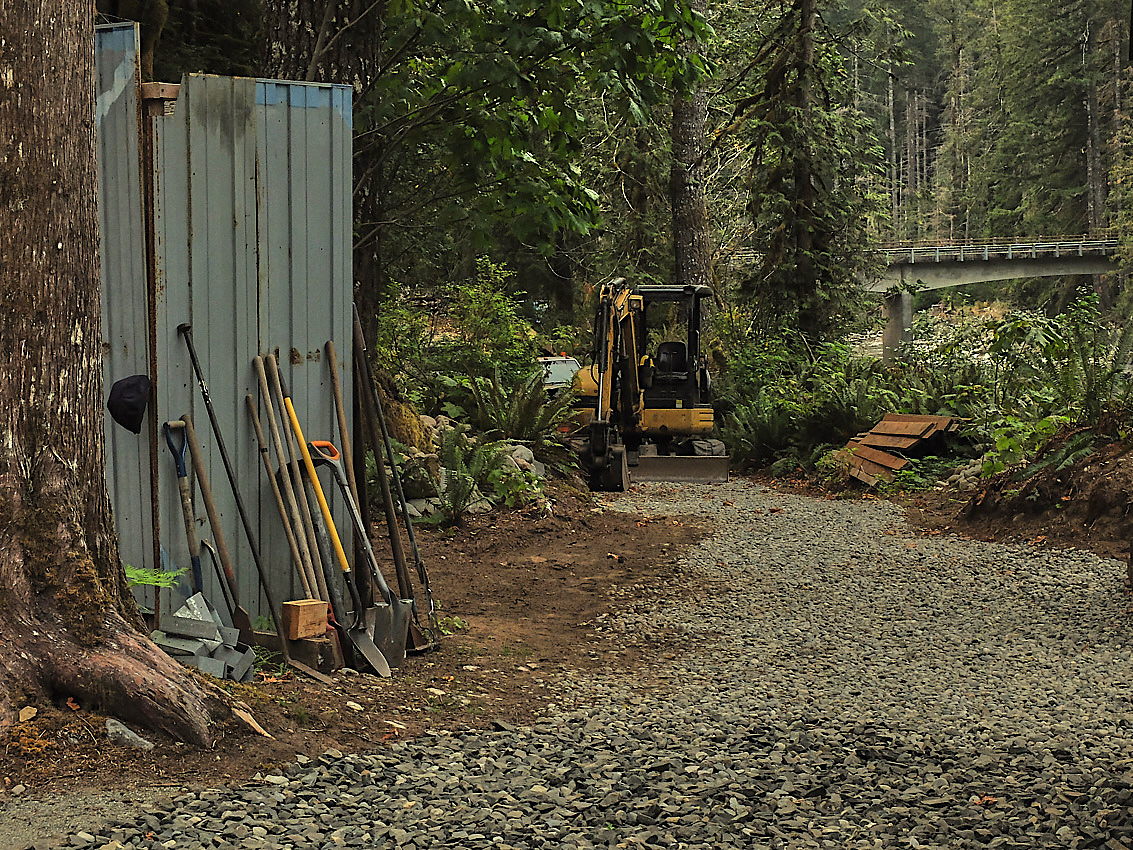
(910, 267)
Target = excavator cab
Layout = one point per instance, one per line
(645, 398)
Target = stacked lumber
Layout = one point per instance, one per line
(872, 455)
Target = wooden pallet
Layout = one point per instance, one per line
(900, 431)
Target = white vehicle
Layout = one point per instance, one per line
(558, 372)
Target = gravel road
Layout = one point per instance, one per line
(852, 685)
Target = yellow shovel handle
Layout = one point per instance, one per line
(323, 506)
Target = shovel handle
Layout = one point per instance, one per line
(323, 451)
(324, 508)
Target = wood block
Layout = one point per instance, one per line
(304, 618)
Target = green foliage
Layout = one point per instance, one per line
(469, 119)
(814, 160)
(523, 413)
(450, 625)
(401, 336)
(476, 330)
(1073, 449)
(919, 474)
(1018, 439)
(490, 335)
(1018, 381)
(470, 466)
(145, 577)
(788, 401)
(209, 36)
(1072, 365)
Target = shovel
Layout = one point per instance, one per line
(357, 629)
(371, 408)
(392, 626)
(186, 500)
(240, 617)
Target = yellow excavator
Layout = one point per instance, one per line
(642, 413)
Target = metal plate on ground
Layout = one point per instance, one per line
(681, 468)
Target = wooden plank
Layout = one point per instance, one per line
(885, 441)
(868, 467)
(939, 421)
(904, 429)
(883, 458)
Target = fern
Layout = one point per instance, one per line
(465, 464)
(1076, 447)
(526, 415)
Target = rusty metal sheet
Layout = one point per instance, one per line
(887, 441)
(868, 467)
(904, 429)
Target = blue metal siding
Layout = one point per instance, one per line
(125, 321)
(255, 198)
(252, 235)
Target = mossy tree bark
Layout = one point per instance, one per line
(68, 624)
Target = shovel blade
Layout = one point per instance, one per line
(389, 625)
(360, 637)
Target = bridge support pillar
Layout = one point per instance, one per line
(898, 321)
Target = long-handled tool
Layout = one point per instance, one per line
(292, 543)
(186, 331)
(186, 500)
(395, 614)
(340, 412)
(359, 630)
(240, 616)
(372, 404)
(365, 587)
(292, 482)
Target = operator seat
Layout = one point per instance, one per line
(672, 358)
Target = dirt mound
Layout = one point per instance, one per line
(1067, 496)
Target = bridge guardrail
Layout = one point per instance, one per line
(947, 251)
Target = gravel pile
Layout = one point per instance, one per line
(852, 686)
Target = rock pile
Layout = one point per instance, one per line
(964, 477)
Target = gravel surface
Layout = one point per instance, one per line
(849, 685)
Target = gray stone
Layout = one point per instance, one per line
(121, 734)
(836, 680)
(190, 627)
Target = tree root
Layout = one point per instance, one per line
(127, 677)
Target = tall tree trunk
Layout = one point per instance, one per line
(68, 625)
(810, 312)
(894, 190)
(693, 253)
(1095, 173)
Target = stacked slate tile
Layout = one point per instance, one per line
(196, 636)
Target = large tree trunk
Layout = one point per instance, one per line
(68, 625)
(693, 254)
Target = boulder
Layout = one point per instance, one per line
(522, 453)
(417, 478)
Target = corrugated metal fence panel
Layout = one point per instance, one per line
(125, 313)
(252, 209)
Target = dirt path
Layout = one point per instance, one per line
(524, 594)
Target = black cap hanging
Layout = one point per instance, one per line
(127, 402)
